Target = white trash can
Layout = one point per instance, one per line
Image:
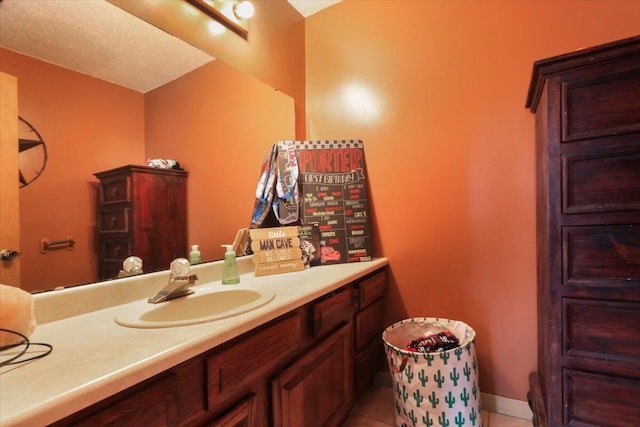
(438, 389)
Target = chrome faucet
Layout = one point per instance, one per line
(180, 282)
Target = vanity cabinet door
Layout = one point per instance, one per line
(317, 390)
(230, 373)
(369, 324)
(241, 415)
(368, 328)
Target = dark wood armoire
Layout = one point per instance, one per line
(587, 107)
(142, 211)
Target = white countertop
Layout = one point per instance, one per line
(94, 358)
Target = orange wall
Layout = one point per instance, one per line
(450, 149)
(227, 122)
(88, 126)
(273, 51)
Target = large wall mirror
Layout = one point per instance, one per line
(215, 121)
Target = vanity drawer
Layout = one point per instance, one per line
(252, 357)
(331, 312)
(151, 404)
(114, 220)
(115, 190)
(371, 289)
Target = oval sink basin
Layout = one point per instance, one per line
(205, 305)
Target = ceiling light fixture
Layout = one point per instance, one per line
(233, 14)
(243, 10)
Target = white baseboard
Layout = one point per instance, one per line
(506, 406)
(490, 402)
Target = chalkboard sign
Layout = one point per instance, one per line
(333, 194)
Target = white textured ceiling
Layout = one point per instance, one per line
(309, 7)
(97, 38)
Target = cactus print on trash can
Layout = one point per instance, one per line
(438, 389)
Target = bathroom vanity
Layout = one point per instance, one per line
(298, 360)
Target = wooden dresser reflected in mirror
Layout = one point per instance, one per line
(142, 211)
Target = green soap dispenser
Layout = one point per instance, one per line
(194, 255)
(230, 270)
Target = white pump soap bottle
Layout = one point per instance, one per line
(230, 270)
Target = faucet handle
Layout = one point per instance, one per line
(130, 267)
(179, 267)
(132, 264)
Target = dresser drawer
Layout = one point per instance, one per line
(252, 356)
(371, 289)
(115, 190)
(603, 329)
(597, 101)
(331, 312)
(602, 255)
(602, 181)
(600, 400)
(116, 249)
(114, 220)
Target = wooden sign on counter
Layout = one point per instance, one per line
(276, 250)
(273, 244)
(274, 232)
(277, 255)
(266, 268)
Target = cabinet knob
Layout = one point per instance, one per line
(114, 221)
(114, 191)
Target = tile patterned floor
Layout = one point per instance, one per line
(375, 409)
